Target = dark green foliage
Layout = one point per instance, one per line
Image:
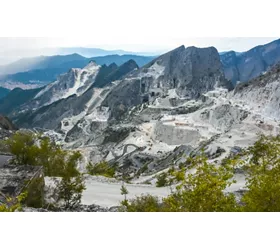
(31, 149)
(263, 176)
(162, 180)
(70, 190)
(35, 193)
(143, 203)
(124, 191)
(22, 146)
(101, 168)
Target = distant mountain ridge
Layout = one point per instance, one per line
(3, 92)
(75, 88)
(45, 69)
(247, 65)
(188, 72)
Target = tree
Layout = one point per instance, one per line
(70, 191)
(200, 191)
(124, 192)
(263, 176)
(37, 150)
(23, 146)
(72, 185)
(32, 149)
(162, 180)
(203, 190)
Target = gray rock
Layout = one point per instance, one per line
(14, 179)
(250, 64)
(191, 71)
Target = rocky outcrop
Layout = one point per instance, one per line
(108, 74)
(15, 98)
(50, 116)
(69, 95)
(262, 93)
(15, 179)
(7, 128)
(190, 71)
(6, 124)
(245, 66)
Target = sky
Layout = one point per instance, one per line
(14, 48)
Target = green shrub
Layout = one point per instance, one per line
(70, 190)
(101, 168)
(162, 180)
(143, 203)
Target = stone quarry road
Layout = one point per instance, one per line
(109, 194)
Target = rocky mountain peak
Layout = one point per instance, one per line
(91, 64)
(113, 66)
(189, 71)
(131, 64)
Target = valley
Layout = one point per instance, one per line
(147, 120)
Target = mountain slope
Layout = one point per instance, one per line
(15, 98)
(75, 82)
(6, 124)
(189, 71)
(70, 95)
(3, 92)
(156, 115)
(45, 68)
(247, 65)
(114, 73)
(40, 62)
(262, 94)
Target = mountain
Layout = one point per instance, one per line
(11, 55)
(46, 69)
(262, 94)
(119, 60)
(67, 62)
(15, 98)
(247, 65)
(145, 120)
(69, 94)
(3, 92)
(112, 73)
(36, 76)
(40, 62)
(189, 71)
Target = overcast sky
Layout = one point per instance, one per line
(151, 44)
(15, 48)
